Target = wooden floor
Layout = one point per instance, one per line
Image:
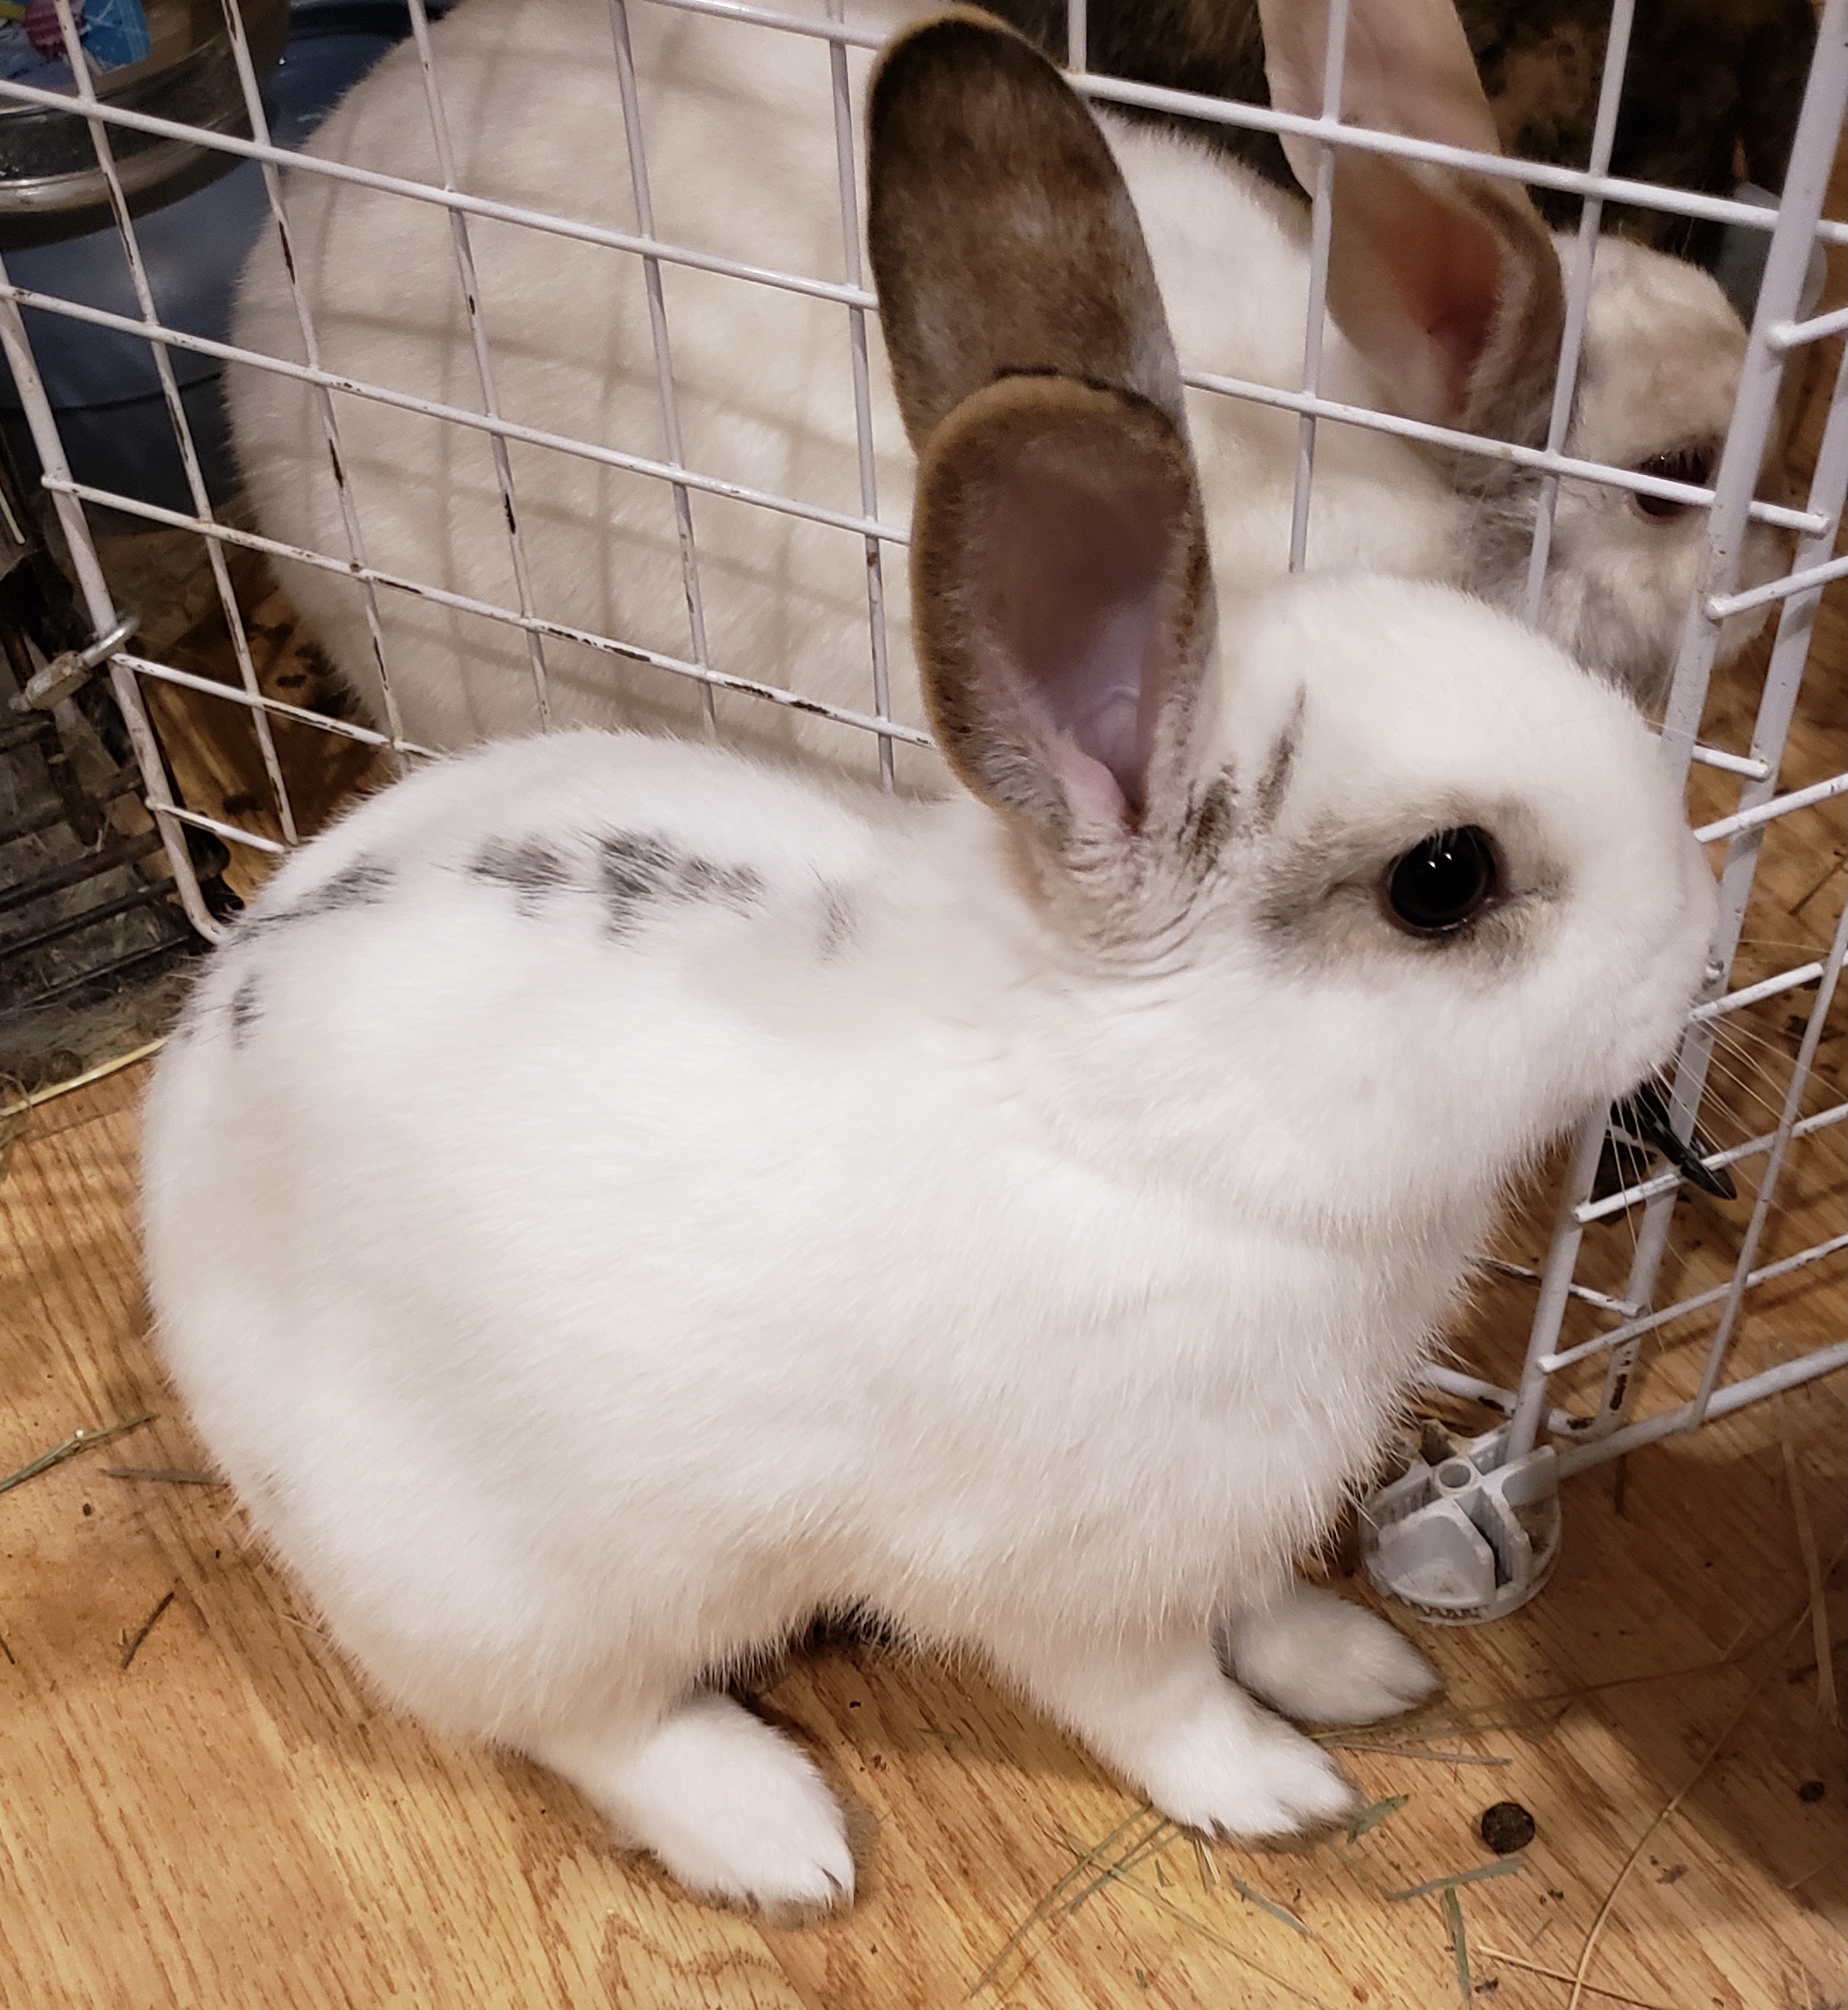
(198, 1807)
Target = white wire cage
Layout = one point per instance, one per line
(1465, 1535)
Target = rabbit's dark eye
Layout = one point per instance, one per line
(1692, 465)
(1442, 884)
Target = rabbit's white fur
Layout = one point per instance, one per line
(610, 1199)
(742, 156)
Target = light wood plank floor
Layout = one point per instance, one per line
(223, 1819)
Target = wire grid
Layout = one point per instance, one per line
(1629, 1315)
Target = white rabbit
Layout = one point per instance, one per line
(742, 160)
(610, 1199)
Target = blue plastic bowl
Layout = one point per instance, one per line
(102, 383)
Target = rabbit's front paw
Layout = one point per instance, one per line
(1312, 1655)
(1165, 1716)
(1232, 1770)
(731, 1807)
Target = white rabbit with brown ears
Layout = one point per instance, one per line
(612, 1199)
(1446, 286)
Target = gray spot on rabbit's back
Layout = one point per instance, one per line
(635, 870)
(737, 886)
(529, 868)
(243, 1011)
(625, 873)
(840, 923)
(362, 884)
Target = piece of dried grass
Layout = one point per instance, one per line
(1453, 1918)
(1504, 1866)
(1826, 1701)
(1049, 1900)
(1276, 1911)
(1560, 1975)
(1374, 1814)
(165, 1475)
(76, 1442)
(1416, 1751)
(1218, 1940)
(132, 1648)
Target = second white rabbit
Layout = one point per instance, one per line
(1447, 286)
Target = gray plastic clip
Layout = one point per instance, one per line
(1469, 1539)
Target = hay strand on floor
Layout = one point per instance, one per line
(1630, 1862)
(1218, 1940)
(165, 1475)
(1049, 1900)
(133, 1647)
(1752, 1695)
(1560, 1975)
(1502, 1868)
(77, 1441)
(1157, 1839)
(1374, 1814)
(1827, 1702)
(1453, 1919)
(1415, 1751)
(114, 1065)
(1276, 1911)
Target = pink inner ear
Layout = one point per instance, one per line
(1075, 611)
(1417, 283)
(1461, 273)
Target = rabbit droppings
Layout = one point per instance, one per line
(610, 1199)
(1445, 287)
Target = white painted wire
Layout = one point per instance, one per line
(457, 415)
(1578, 296)
(1804, 521)
(465, 273)
(862, 387)
(1321, 231)
(1794, 227)
(1754, 416)
(176, 412)
(61, 484)
(98, 603)
(271, 158)
(657, 324)
(1759, 803)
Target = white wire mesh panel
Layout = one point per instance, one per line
(1628, 1294)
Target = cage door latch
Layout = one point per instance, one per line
(60, 677)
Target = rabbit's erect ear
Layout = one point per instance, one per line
(1061, 594)
(1003, 238)
(1062, 602)
(1446, 281)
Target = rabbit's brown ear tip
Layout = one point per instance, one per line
(958, 38)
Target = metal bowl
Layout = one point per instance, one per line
(51, 185)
